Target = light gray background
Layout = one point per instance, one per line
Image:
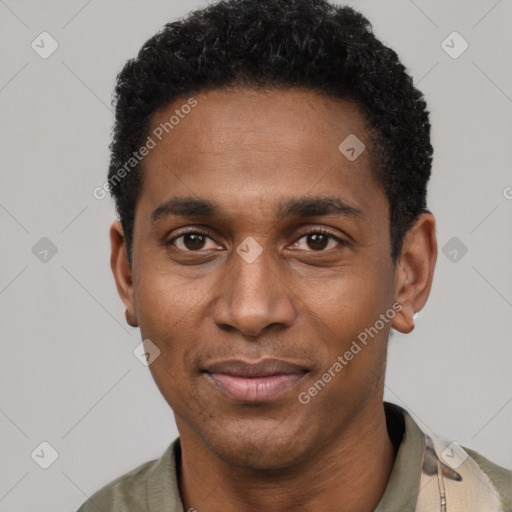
(67, 372)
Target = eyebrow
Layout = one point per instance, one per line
(302, 207)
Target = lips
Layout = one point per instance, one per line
(255, 382)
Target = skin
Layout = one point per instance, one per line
(304, 299)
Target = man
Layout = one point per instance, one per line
(269, 165)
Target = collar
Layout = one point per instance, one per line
(403, 486)
(401, 492)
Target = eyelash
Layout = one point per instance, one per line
(317, 231)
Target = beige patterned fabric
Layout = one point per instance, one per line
(429, 475)
(452, 481)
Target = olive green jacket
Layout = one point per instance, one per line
(429, 475)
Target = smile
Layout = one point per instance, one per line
(258, 382)
(255, 389)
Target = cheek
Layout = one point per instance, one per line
(347, 304)
(165, 305)
(348, 324)
(168, 316)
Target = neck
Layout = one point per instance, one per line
(350, 474)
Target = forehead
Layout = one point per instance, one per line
(259, 147)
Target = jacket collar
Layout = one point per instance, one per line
(401, 492)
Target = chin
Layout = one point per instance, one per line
(267, 446)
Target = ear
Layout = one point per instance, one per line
(122, 271)
(414, 271)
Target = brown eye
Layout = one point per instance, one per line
(317, 241)
(192, 241)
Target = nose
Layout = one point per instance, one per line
(253, 296)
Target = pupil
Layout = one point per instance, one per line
(194, 241)
(315, 238)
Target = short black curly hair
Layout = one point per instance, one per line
(308, 44)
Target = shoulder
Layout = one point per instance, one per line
(125, 493)
(463, 478)
(150, 487)
(457, 477)
(500, 477)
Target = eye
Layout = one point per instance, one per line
(192, 241)
(318, 240)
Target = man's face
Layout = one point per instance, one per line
(201, 297)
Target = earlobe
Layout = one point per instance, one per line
(131, 319)
(415, 271)
(122, 271)
(404, 319)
